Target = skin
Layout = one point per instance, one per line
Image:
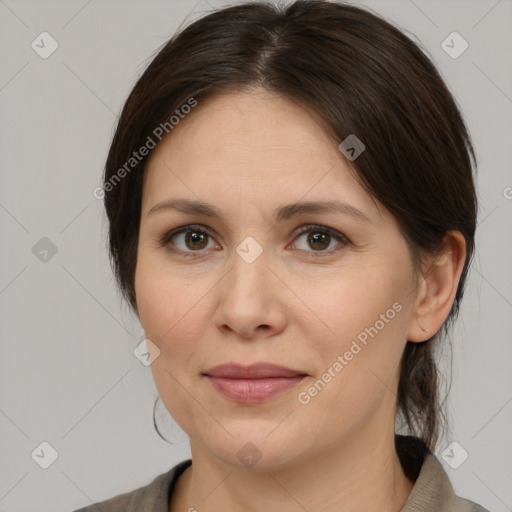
(248, 153)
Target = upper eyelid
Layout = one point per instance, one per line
(183, 229)
(305, 228)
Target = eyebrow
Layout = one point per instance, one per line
(186, 206)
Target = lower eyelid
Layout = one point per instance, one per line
(339, 237)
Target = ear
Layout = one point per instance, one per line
(437, 289)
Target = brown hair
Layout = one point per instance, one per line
(362, 76)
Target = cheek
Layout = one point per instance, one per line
(161, 300)
(153, 302)
(173, 317)
(358, 369)
(353, 300)
(367, 316)
(172, 311)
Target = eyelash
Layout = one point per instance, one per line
(166, 239)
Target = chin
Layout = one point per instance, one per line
(256, 449)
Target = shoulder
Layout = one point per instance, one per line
(435, 492)
(153, 497)
(432, 491)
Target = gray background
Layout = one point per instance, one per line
(68, 375)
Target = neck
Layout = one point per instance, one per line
(363, 474)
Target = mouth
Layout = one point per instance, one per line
(255, 383)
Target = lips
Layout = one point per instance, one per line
(253, 384)
(254, 371)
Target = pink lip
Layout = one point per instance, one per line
(253, 371)
(254, 383)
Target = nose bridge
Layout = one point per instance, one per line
(249, 267)
(247, 296)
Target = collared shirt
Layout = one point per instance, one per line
(432, 491)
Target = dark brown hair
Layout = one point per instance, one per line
(362, 76)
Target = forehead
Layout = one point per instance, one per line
(253, 124)
(250, 144)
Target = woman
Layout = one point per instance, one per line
(292, 214)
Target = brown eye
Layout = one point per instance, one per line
(187, 240)
(318, 241)
(196, 240)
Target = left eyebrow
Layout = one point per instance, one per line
(291, 210)
(186, 206)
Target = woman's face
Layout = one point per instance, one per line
(333, 303)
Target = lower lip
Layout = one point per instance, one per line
(253, 390)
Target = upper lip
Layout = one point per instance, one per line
(253, 371)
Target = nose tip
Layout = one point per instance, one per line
(245, 332)
(248, 301)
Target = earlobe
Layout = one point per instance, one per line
(438, 288)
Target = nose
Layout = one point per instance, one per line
(250, 300)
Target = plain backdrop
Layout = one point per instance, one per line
(68, 374)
